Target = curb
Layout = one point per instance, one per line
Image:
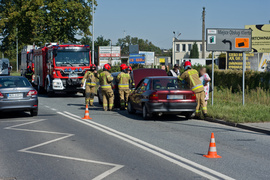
(242, 126)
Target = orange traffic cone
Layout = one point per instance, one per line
(212, 152)
(86, 114)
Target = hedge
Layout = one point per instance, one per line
(233, 79)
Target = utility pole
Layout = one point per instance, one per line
(93, 40)
(203, 33)
(17, 57)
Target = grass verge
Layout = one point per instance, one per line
(14, 73)
(228, 106)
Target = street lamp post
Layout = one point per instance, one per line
(93, 43)
(17, 54)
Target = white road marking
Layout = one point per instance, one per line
(169, 156)
(115, 168)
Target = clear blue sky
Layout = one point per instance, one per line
(155, 20)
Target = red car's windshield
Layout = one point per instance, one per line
(168, 84)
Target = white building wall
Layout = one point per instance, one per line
(181, 50)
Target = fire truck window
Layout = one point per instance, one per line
(72, 58)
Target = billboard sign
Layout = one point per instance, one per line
(109, 54)
(134, 49)
(136, 59)
(149, 57)
(109, 51)
(254, 61)
(238, 40)
(260, 37)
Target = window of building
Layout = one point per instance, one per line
(200, 47)
(177, 47)
(189, 47)
(183, 47)
(177, 61)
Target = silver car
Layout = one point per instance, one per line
(17, 94)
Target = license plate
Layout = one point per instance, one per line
(175, 96)
(15, 96)
(73, 75)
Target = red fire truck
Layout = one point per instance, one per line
(61, 67)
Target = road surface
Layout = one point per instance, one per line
(58, 144)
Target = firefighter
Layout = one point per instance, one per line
(123, 79)
(132, 83)
(29, 73)
(90, 79)
(191, 77)
(105, 79)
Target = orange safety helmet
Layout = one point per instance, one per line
(123, 67)
(107, 67)
(187, 65)
(129, 68)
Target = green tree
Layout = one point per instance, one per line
(100, 41)
(194, 53)
(40, 21)
(144, 45)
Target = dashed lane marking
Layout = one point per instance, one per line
(169, 156)
(115, 168)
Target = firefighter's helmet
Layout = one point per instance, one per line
(107, 67)
(123, 67)
(187, 65)
(93, 66)
(129, 68)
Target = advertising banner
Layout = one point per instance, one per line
(109, 51)
(260, 37)
(136, 59)
(149, 57)
(255, 61)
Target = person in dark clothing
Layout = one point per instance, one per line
(175, 71)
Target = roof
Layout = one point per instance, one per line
(162, 77)
(186, 40)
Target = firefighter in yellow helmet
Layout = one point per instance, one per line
(123, 80)
(105, 79)
(191, 77)
(90, 79)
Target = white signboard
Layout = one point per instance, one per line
(149, 57)
(109, 51)
(109, 54)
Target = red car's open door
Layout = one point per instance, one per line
(139, 74)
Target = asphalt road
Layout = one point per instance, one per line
(57, 144)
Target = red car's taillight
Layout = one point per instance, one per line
(193, 96)
(1, 95)
(153, 96)
(32, 93)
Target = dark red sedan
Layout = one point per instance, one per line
(162, 95)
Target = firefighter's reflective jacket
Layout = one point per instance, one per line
(123, 80)
(191, 76)
(90, 78)
(105, 80)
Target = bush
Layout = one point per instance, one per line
(233, 79)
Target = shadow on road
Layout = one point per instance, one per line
(138, 116)
(14, 114)
(20, 114)
(61, 95)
